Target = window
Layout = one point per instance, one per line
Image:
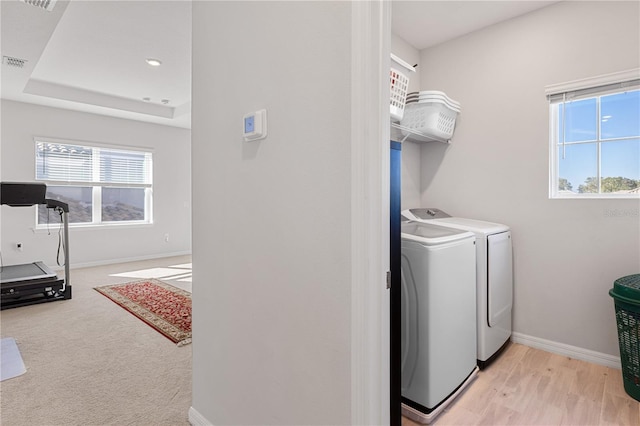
(101, 185)
(595, 138)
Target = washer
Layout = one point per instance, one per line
(494, 277)
(438, 317)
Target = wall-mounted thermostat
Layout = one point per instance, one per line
(254, 125)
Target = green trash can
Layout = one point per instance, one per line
(626, 297)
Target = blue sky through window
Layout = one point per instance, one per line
(621, 159)
(579, 163)
(581, 121)
(619, 119)
(620, 115)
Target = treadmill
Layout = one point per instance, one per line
(33, 283)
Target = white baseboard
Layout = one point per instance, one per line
(197, 419)
(567, 350)
(124, 260)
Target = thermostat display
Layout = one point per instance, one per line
(255, 125)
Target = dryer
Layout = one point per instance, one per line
(494, 276)
(438, 317)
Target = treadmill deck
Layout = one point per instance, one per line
(25, 272)
(30, 283)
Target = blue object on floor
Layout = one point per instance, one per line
(11, 364)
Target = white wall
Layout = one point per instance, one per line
(567, 252)
(171, 146)
(272, 247)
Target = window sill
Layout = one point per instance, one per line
(92, 226)
(596, 197)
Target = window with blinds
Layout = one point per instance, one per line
(102, 185)
(595, 137)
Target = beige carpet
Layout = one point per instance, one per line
(89, 362)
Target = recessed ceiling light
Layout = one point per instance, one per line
(154, 62)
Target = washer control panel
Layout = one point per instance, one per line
(428, 213)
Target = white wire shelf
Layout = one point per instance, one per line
(401, 133)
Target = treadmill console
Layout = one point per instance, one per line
(17, 194)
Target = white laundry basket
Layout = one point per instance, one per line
(435, 119)
(399, 84)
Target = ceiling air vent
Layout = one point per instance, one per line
(44, 4)
(13, 62)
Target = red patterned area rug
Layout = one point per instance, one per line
(164, 307)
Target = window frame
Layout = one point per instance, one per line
(590, 88)
(96, 185)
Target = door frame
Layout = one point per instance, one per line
(370, 298)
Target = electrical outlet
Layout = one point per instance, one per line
(166, 238)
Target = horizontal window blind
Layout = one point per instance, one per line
(593, 91)
(61, 162)
(124, 167)
(594, 86)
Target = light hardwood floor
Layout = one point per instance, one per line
(527, 386)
